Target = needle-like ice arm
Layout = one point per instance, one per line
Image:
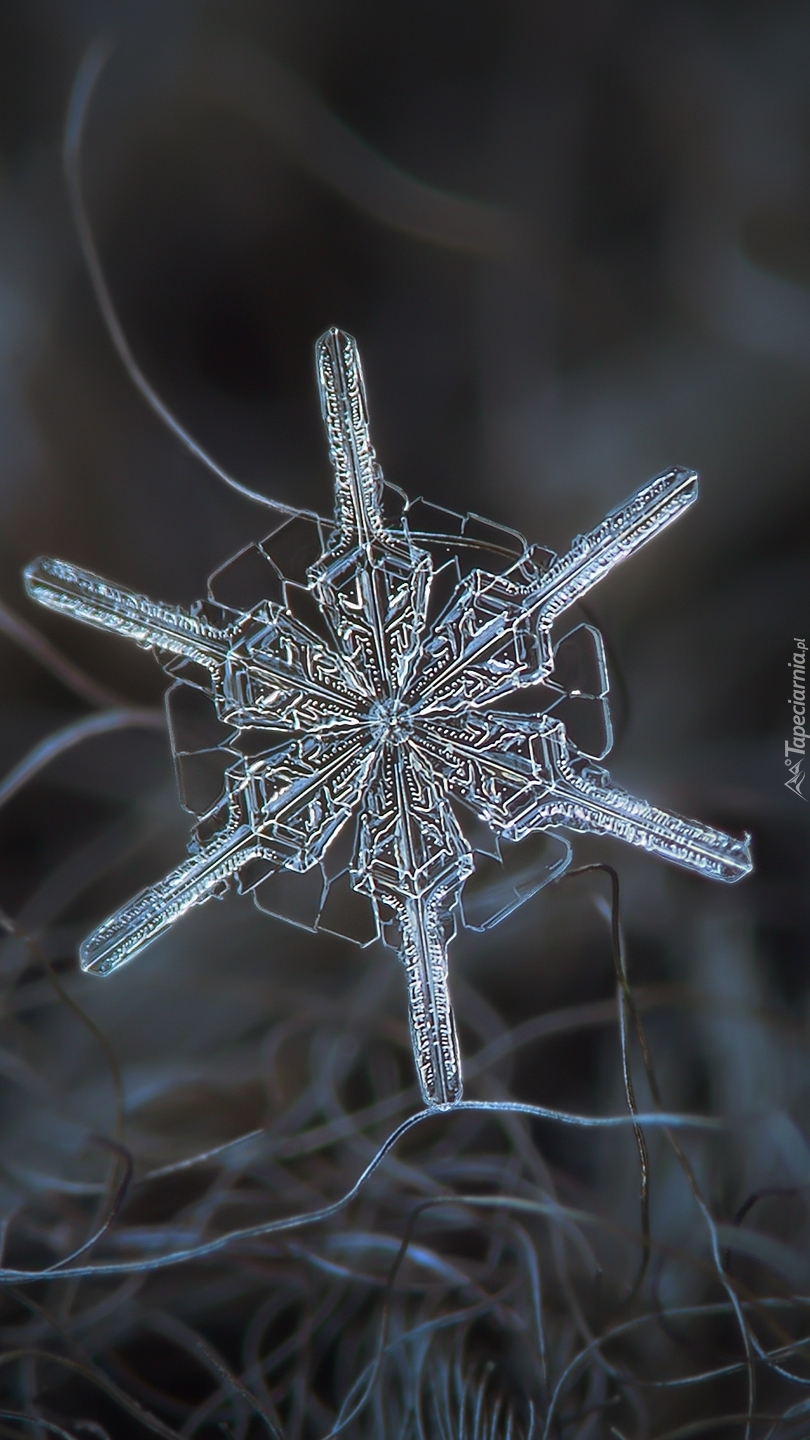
(371, 584)
(495, 638)
(583, 797)
(85, 596)
(285, 816)
(623, 531)
(522, 775)
(358, 479)
(413, 861)
(268, 671)
(156, 909)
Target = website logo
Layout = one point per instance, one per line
(795, 752)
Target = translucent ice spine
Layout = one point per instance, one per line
(395, 742)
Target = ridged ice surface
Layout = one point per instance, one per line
(372, 724)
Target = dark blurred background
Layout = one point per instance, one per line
(573, 241)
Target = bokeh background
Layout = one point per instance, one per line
(573, 241)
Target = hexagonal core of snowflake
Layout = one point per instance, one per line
(390, 721)
(506, 873)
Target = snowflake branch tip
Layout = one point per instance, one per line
(344, 408)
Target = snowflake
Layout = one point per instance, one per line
(372, 724)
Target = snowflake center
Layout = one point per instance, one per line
(390, 721)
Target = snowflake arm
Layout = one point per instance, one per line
(496, 635)
(413, 861)
(522, 774)
(371, 584)
(267, 669)
(85, 596)
(278, 815)
(154, 910)
(358, 478)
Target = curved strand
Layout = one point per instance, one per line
(84, 86)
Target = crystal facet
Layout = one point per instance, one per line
(373, 726)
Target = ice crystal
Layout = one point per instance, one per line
(374, 728)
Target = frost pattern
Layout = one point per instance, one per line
(372, 724)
